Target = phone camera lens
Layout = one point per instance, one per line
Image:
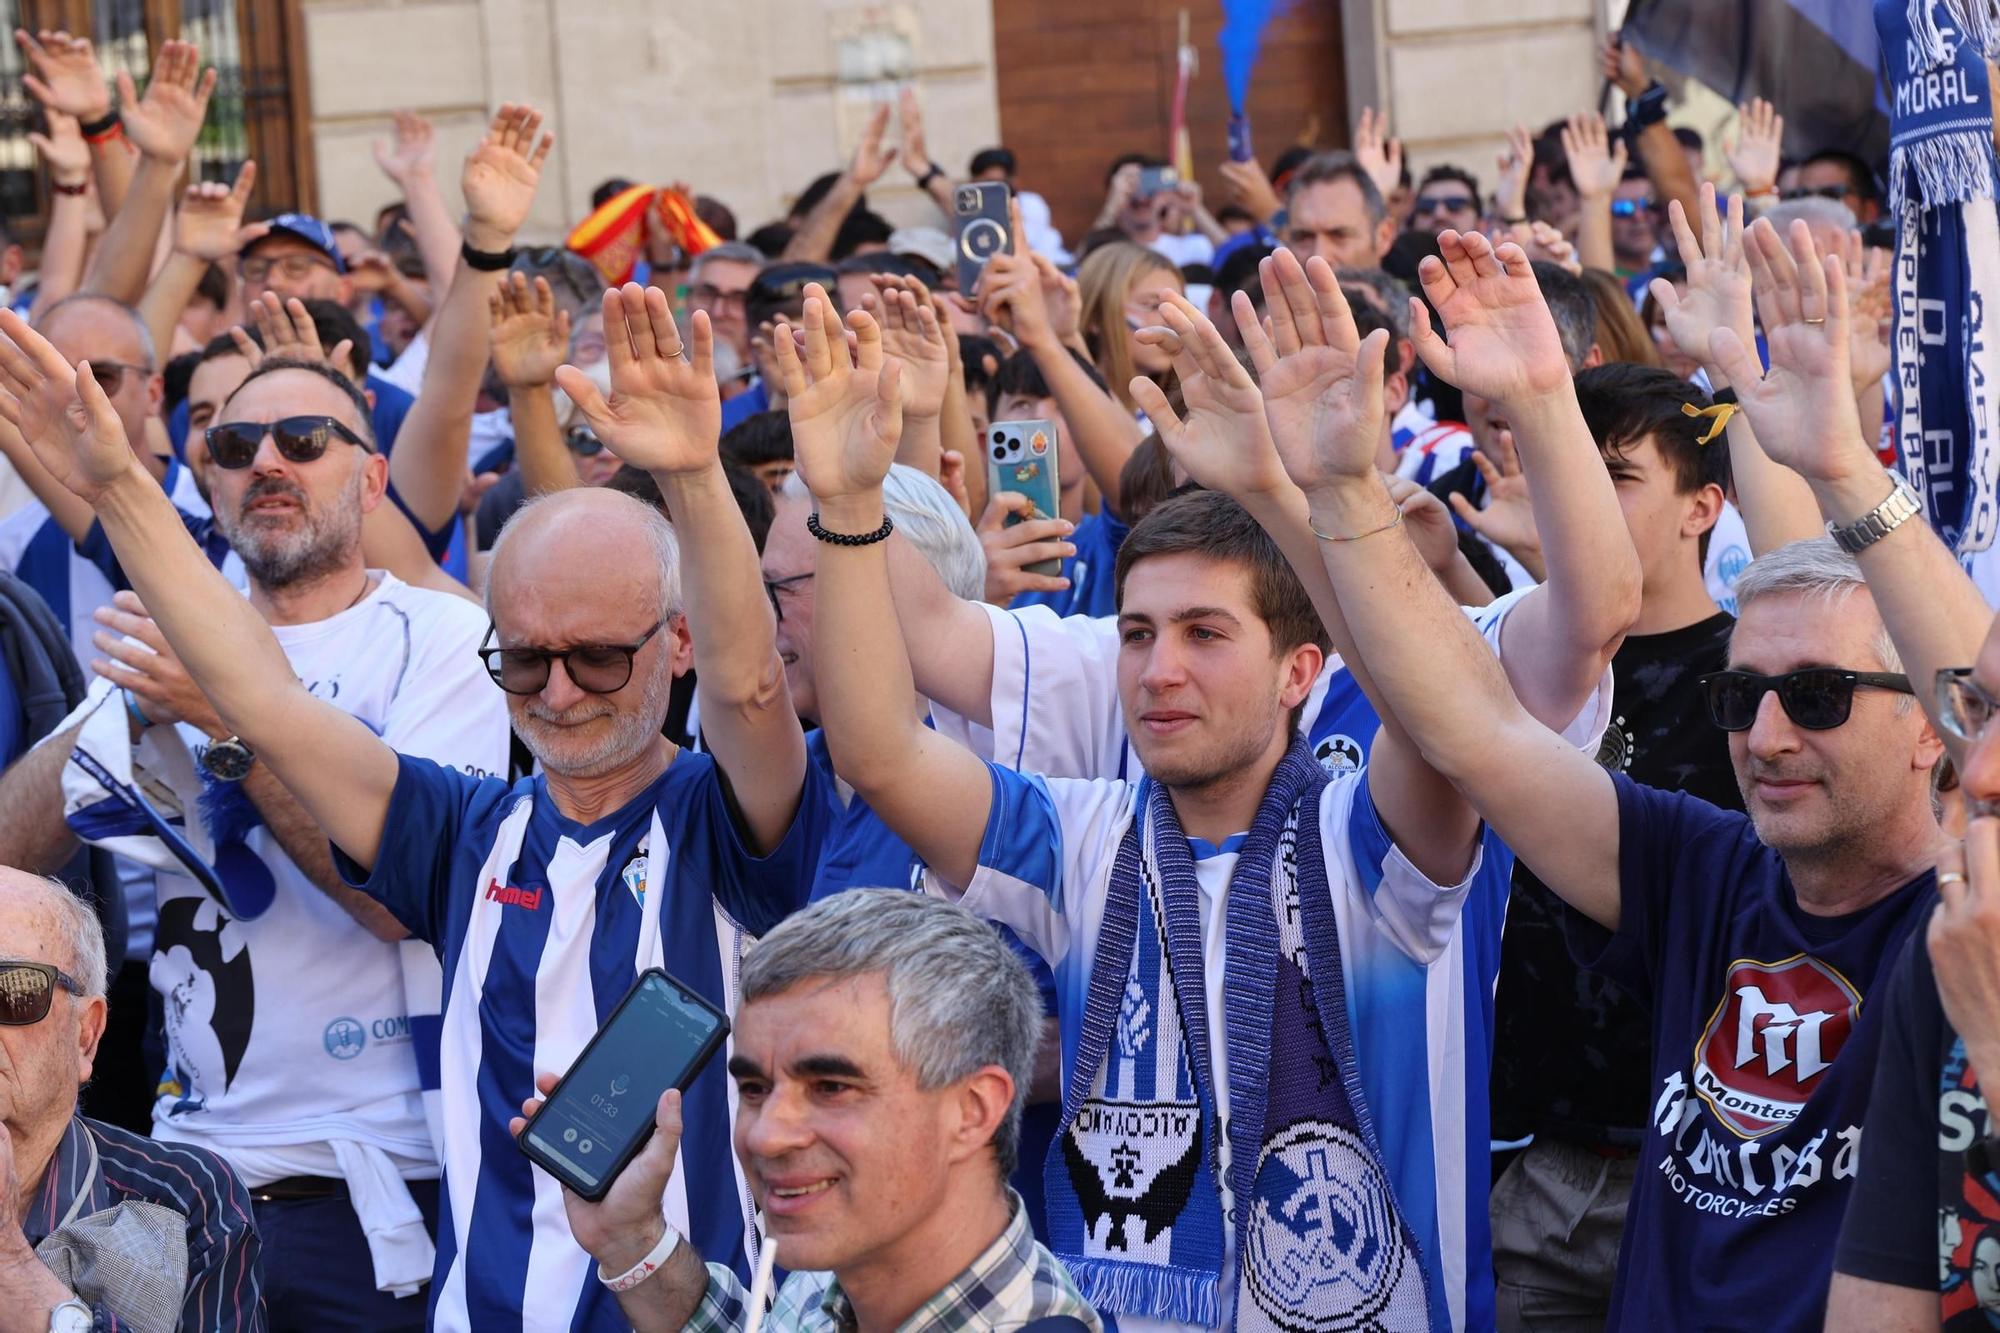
(999, 437)
(999, 453)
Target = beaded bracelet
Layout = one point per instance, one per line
(880, 534)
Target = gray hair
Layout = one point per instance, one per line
(147, 351)
(665, 546)
(1818, 568)
(728, 252)
(1816, 212)
(959, 1000)
(81, 932)
(931, 521)
(1391, 292)
(1339, 166)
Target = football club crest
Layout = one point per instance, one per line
(634, 876)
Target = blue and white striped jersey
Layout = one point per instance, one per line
(542, 925)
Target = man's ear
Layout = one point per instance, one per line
(1704, 506)
(89, 1031)
(1385, 236)
(1594, 357)
(1302, 667)
(979, 1104)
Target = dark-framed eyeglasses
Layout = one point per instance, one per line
(594, 668)
(583, 442)
(28, 989)
(302, 439)
(708, 296)
(110, 375)
(1837, 193)
(1964, 706)
(295, 267)
(771, 587)
(1445, 203)
(1816, 698)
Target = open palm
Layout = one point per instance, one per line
(210, 223)
(664, 413)
(530, 336)
(64, 417)
(503, 169)
(912, 335)
(847, 413)
(1503, 342)
(1718, 294)
(65, 75)
(1224, 440)
(1325, 417)
(165, 123)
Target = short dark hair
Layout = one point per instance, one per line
(1140, 160)
(752, 496)
(271, 365)
(1019, 376)
(1447, 172)
(1322, 168)
(607, 190)
(1861, 175)
(213, 286)
(174, 379)
(988, 158)
(1238, 271)
(720, 217)
(763, 437)
(1690, 138)
(1209, 523)
(1146, 480)
(889, 262)
(973, 349)
(860, 227)
(1624, 404)
(771, 238)
(1574, 308)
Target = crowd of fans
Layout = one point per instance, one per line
(1478, 777)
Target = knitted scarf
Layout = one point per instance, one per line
(1942, 175)
(1134, 1209)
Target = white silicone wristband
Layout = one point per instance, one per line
(646, 1267)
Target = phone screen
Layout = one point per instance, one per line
(603, 1109)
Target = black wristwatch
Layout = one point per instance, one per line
(924, 181)
(1648, 108)
(228, 760)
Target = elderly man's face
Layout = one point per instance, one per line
(42, 1064)
(104, 335)
(289, 266)
(845, 1153)
(720, 292)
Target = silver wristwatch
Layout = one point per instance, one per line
(1901, 506)
(72, 1316)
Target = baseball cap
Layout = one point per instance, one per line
(929, 244)
(310, 230)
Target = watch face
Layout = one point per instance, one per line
(228, 761)
(70, 1317)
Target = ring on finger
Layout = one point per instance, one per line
(1950, 877)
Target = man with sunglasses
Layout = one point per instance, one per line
(1843, 178)
(546, 899)
(1447, 197)
(92, 1217)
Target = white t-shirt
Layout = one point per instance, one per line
(292, 1029)
(1728, 554)
(1193, 248)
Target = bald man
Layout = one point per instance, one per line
(75, 1179)
(547, 898)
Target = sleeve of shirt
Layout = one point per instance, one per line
(1586, 730)
(724, 1306)
(1055, 693)
(448, 709)
(412, 871)
(1418, 916)
(1891, 1231)
(760, 891)
(224, 1293)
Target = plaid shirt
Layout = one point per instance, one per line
(1013, 1281)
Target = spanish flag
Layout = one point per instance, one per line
(614, 237)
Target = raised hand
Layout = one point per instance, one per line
(289, 332)
(1503, 342)
(1378, 155)
(1510, 195)
(371, 272)
(1545, 242)
(210, 225)
(915, 155)
(1224, 441)
(165, 123)
(847, 412)
(1595, 165)
(530, 336)
(1718, 279)
(1757, 148)
(871, 158)
(1869, 310)
(1321, 381)
(500, 176)
(63, 150)
(1250, 188)
(1623, 66)
(1802, 408)
(410, 152)
(1429, 523)
(620, 1229)
(665, 412)
(64, 75)
(912, 335)
(1508, 520)
(62, 413)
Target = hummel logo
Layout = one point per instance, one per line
(511, 897)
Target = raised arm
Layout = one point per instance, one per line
(409, 158)
(67, 157)
(33, 836)
(1551, 803)
(813, 241)
(1803, 409)
(665, 415)
(1776, 503)
(916, 155)
(845, 424)
(63, 75)
(530, 339)
(1596, 166)
(1659, 151)
(913, 335)
(208, 230)
(341, 773)
(499, 180)
(163, 126)
(1756, 151)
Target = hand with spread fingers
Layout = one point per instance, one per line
(1868, 310)
(210, 225)
(288, 332)
(846, 410)
(165, 123)
(63, 414)
(138, 658)
(912, 335)
(1508, 520)
(63, 74)
(1718, 292)
(1802, 408)
(665, 411)
(530, 336)
(1545, 242)
(1500, 339)
(500, 176)
(1510, 194)
(1224, 440)
(1595, 164)
(1758, 147)
(1428, 522)
(62, 149)
(410, 152)
(1378, 155)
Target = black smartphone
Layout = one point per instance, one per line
(980, 211)
(601, 1113)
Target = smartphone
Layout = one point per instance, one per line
(980, 209)
(1157, 180)
(1021, 457)
(601, 1113)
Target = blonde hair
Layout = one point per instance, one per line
(1104, 279)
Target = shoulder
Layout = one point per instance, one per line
(191, 1181)
(391, 398)
(434, 615)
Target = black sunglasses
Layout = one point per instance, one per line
(1837, 193)
(1440, 203)
(1816, 698)
(594, 668)
(583, 442)
(27, 990)
(299, 439)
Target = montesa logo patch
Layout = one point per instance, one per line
(1777, 1028)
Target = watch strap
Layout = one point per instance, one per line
(485, 261)
(924, 181)
(1899, 508)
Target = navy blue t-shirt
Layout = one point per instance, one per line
(1763, 1054)
(1093, 585)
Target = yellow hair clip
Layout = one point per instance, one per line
(1718, 417)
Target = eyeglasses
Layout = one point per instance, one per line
(294, 267)
(563, 267)
(1963, 705)
(583, 442)
(708, 296)
(1816, 698)
(110, 375)
(1630, 208)
(299, 439)
(27, 990)
(594, 668)
(1446, 203)
(771, 587)
(1837, 193)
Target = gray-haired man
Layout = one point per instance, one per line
(881, 1055)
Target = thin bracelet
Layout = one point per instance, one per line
(1329, 537)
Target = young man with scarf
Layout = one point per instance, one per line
(1236, 858)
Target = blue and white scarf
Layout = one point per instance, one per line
(1133, 1204)
(1942, 175)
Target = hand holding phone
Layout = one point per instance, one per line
(620, 1229)
(980, 213)
(1021, 458)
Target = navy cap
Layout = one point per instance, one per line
(313, 232)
